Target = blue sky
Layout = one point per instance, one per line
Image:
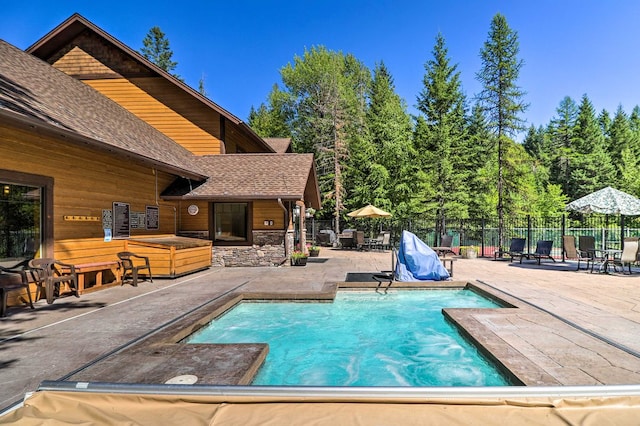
(569, 47)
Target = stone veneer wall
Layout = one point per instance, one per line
(267, 250)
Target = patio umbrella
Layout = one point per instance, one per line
(607, 201)
(369, 211)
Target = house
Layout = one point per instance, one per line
(100, 149)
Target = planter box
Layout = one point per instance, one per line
(299, 262)
(314, 253)
(469, 254)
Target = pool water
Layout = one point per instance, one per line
(363, 338)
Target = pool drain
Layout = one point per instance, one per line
(185, 379)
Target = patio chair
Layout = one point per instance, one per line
(446, 243)
(543, 250)
(49, 273)
(573, 253)
(375, 243)
(629, 254)
(12, 279)
(386, 241)
(132, 266)
(587, 245)
(516, 247)
(358, 239)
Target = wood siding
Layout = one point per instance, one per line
(199, 222)
(267, 210)
(172, 262)
(79, 62)
(85, 182)
(166, 120)
(191, 122)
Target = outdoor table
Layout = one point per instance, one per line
(442, 251)
(607, 256)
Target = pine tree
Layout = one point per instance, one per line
(201, 88)
(501, 98)
(272, 120)
(620, 134)
(156, 49)
(392, 174)
(441, 140)
(481, 159)
(561, 135)
(327, 99)
(591, 168)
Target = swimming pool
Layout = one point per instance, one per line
(363, 338)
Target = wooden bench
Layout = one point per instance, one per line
(449, 260)
(97, 267)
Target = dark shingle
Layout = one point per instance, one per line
(40, 93)
(249, 176)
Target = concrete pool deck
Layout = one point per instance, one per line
(569, 328)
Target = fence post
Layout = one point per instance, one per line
(528, 233)
(564, 231)
(482, 237)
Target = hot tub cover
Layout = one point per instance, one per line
(417, 261)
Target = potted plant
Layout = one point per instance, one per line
(469, 252)
(298, 258)
(314, 250)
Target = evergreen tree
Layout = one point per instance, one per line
(634, 125)
(391, 176)
(604, 120)
(561, 144)
(441, 140)
(481, 159)
(156, 49)
(201, 88)
(628, 170)
(620, 135)
(272, 120)
(326, 102)
(501, 98)
(591, 168)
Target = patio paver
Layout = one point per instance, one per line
(56, 340)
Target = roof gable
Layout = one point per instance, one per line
(34, 92)
(279, 145)
(134, 65)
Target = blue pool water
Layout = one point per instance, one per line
(361, 339)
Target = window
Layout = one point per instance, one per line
(231, 222)
(26, 216)
(20, 222)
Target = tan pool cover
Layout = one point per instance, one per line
(62, 407)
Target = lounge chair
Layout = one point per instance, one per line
(543, 250)
(573, 253)
(629, 254)
(516, 247)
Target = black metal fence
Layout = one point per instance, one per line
(609, 231)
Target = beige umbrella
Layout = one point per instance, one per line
(369, 211)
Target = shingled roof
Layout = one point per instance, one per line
(279, 145)
(250, 177)
(34, 93)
